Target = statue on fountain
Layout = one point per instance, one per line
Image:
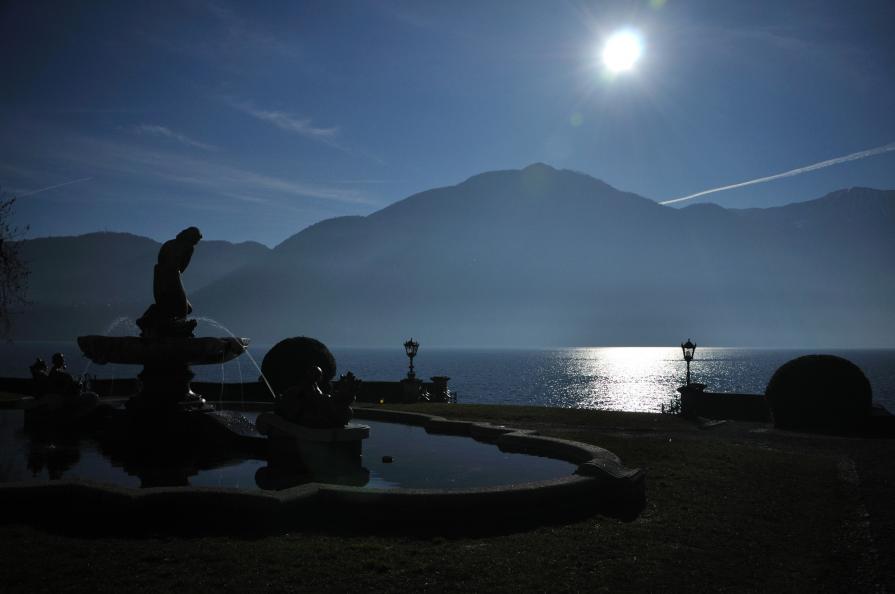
(309, 429)
(308, 405)
(167, 316)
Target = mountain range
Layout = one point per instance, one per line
(531, 257)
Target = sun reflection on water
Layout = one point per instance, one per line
(619, 378)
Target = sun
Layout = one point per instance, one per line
(622, 51)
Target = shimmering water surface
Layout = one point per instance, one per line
(618, 378)
(419, 461)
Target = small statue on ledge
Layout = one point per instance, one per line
(306, 404)
(59, 380)
(167, 316)
(40, 374)
(57, 393)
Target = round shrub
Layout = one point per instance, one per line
(819, 393)
(288, 361)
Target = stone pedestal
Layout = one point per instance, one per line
(167, 384)
(689, 395)
(441, 392)
(410, 389)
(289, 437)
(325, 454)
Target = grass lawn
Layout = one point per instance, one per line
(736, 507)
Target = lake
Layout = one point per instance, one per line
(612, 378)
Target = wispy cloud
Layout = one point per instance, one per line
(246, 34)
(301, 126)
(289, 122)
(164, 132)
(98, 110)
(406, 14)
(53, 187)
(130, 173)
(798, 171)
(825, 49)
(230, 41)
(213, 178)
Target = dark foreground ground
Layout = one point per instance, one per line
(735, 507)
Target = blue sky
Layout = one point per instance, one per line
(253, 120)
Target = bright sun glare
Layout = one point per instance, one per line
(622, 50)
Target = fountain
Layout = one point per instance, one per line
(166, 346)
(167, 432)
(172, 439)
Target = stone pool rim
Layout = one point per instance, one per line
(600, 484)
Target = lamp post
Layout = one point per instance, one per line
(689, 348)
(411, 347)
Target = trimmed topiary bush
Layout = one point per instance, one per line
(819, 393)
(288, 361)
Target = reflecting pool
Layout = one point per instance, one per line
(418, 461)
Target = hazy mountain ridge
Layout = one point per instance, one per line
(545, 257)
(541, 256)
(97, 277)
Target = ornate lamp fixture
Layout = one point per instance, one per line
(689, 348)
(411, 347)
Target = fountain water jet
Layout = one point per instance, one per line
(108, 332)
(217, 324)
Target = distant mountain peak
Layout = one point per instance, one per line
(857, 191)
(856, 194)
(539, 167)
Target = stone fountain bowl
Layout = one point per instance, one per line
(134, 350)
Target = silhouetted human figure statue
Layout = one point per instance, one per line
(60, 381)
(60, 397)
(167, 316)
(40, 375)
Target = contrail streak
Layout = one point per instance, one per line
(68, 183)
(828, 163)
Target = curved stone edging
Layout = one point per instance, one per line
(597, 464)
(600, 483)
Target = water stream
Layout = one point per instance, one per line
(217, 324)
(113, 325)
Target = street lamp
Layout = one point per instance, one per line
(411, 347)
(689, 348)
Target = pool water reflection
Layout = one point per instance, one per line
(420, 461)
